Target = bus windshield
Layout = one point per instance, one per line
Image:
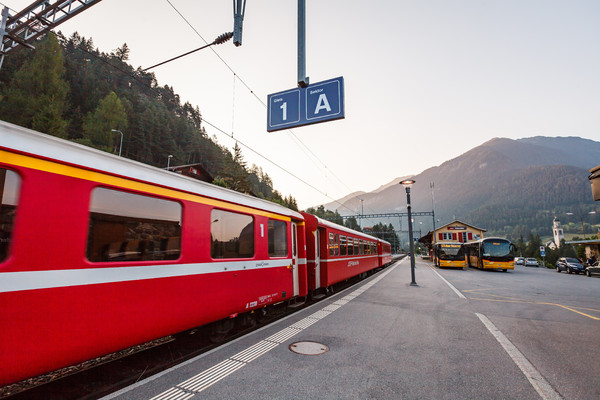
(496, 248)
(451, 252)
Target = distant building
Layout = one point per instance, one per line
(557, 230)
(458, 231)
(196, 171)
(454, 232)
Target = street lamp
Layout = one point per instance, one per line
(169, 161)
(121, 145)
(407, 185)
(362, 211)
(581, 217)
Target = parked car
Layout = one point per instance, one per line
(519, 261)
(531, 262)
(593, 269)
(570, 265)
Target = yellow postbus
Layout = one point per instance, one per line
(490, 253)
(449, 255)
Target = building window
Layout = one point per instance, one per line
(9, 198)
(447, 236)
(131, 227)
(278, 245)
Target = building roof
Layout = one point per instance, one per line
(591, 241)
(464, 223)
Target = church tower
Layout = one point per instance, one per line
(558, 231)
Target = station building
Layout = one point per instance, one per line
(457, 232)
(454, 232)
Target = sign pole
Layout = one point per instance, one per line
(302, 78)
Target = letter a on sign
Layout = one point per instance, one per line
(322, 104)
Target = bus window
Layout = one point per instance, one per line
(131, 227)
(9, 198)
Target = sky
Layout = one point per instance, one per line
(425, 80)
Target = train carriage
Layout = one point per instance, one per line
(336, 253)
(98, 253)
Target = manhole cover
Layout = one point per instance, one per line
(308, 348)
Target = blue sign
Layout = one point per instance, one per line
(319, 102)
(542, 253)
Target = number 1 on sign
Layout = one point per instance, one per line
(284, 108)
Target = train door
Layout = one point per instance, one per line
(317, 259)
(295, 259)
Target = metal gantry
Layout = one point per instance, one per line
(36, 19)
(399, 215)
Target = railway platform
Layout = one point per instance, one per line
(380, 339)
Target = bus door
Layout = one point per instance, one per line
(295, 259)
(317, 259)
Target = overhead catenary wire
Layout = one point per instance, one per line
(261, 102)
(145, 84)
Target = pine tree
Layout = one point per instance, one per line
(110, 114)
(37, 94)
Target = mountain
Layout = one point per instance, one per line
(509, 187)
(353, 200)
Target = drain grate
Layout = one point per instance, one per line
(308, 348)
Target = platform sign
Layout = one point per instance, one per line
(319, 102)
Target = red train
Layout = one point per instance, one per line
(99, 253)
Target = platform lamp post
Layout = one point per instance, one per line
(169, 161)
(407, 185)
(121, 145)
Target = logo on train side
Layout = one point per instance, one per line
(353, 263)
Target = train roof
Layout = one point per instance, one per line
(30, 142)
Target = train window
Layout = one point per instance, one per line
(131, 227)
(277, 238)
(231, 235)
(9, 196)
(331, 244)
(337, 246)
(343, 248)
(350, 246)
(356, 247)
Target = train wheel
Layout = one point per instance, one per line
(219, 330)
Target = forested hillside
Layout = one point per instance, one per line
(70, 89)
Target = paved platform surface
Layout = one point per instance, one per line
(385, 340)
